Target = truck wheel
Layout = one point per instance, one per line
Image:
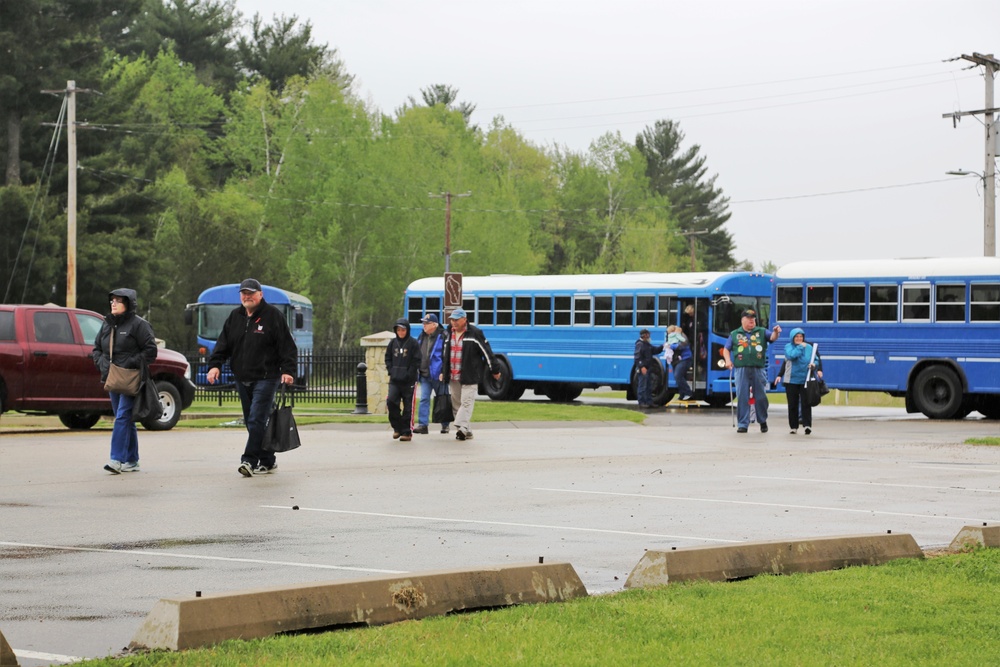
(937, 392)
(79, 420)
(170, 399)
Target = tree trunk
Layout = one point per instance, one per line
(13, 148)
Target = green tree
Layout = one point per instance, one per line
(281, 50)
(444, 95)
(680, 176)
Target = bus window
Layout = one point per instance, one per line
(789, 303)
(850, 303)
(543, 311)
(667, 310)
(624, 313)
(485, 310)
(522, 310)
(819, 303)
(414, 306)
(645, 310)
(564, 311)
(949, 303)
(884, 303)
(505, 310)
(917, 303)
(602, 311)
(582, 310)
(985, 302)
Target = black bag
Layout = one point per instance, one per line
(147, 402)
(281, 434)
(815, 390)
(442, 412)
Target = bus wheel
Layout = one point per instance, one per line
(516, 391)
(657, 383)
(989, 406)
(562, 392)
(938, 392)
(499, 390)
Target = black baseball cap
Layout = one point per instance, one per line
(250, 285)
(749, 312)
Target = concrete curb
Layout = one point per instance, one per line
(976, 536)
(189, 622)
(739, 561)
(7, 657)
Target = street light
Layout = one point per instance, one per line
(989, 210)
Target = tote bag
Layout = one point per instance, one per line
(121, 380)
(281, 434)
(442, 413)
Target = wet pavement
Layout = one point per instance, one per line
(84, 555)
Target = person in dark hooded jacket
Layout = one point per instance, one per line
(402, 362)
(134, 345)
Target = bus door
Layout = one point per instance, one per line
(694, 324)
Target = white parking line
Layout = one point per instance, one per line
(164, 554)
(962, 468)
(839, 481)
(506, 523)
(760, 504)
(47, 657)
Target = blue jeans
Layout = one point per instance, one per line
(680, 376)
(643, 392)
(257, 399)
(124, 437)
(746, 377)
(424, 410)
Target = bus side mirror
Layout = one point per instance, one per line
(300, 321)
(188, 316)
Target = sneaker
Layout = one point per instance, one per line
(460, 434)
(741, 429)
(795, 430)
(113, 467)
(808, 430)
(265, 470)
(395, 435)
(130, 467)
(686, 398)
(421, 429)
(405, 438)
(468, 435)
(763, 427)
(245, 469)
(444, 429)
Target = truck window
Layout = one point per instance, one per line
(53, 328)
(90, 326)
(7, 325)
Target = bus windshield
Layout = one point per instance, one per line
(212, 319)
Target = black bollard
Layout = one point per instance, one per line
(361, 405)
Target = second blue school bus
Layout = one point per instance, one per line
(924, 329)
(214, 304)
(559, 334)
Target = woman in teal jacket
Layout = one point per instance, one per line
(798, 366)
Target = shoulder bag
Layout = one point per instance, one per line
(147, 402)
(121, 380)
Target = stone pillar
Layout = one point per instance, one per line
(374, 346)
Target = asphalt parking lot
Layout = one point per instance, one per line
(84, 555)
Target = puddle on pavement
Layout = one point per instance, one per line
(173, 543)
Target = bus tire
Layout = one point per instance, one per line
(563, 392)
(658, 383)
(937, 392)
(499, 390)
(516, 391)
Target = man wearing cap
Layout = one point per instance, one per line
(431, 342)
(262, 353)
(749, 345)
(467, 354)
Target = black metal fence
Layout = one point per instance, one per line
(325, 376)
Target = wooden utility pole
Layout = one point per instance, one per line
(991, 65)
(447, 196)
(690, 236)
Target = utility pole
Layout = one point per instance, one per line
(690, 235)
(447, 196)
(991, 66)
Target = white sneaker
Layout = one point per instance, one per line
(113, 467)
(265, 470)
(245, 469)
(130, 467)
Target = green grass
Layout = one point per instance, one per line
(990, 441)
(940, 611)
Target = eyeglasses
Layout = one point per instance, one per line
(117, 300)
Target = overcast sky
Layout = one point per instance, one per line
(791, 101)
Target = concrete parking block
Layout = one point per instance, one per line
(189, 622)
(739, 561)
(976, 536)
(7, 657)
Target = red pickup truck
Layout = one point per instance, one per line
(46, 368)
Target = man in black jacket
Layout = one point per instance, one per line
(402, 362)
(467, 354)
(261, 352)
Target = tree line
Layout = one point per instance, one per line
(214, 147)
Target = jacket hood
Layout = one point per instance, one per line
(131, 301)
(402, 322)
(795, 332)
